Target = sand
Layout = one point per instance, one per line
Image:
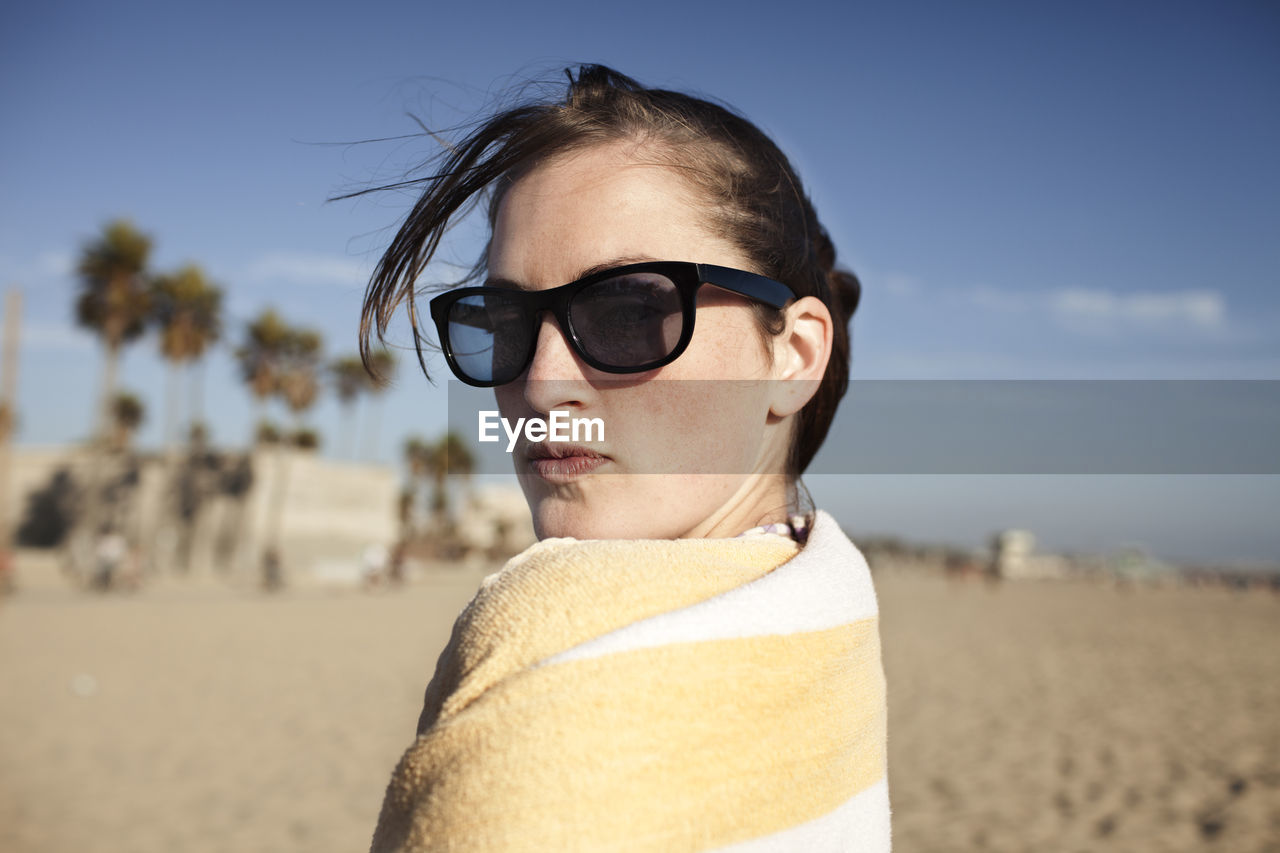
(1072, 716)
(1045, 715)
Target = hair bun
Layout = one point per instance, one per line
(846, 291)
(596, 85)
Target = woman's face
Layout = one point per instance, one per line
(601, 207)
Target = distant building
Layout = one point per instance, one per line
(1135, 563)
(333, 516)
(1013, 557)
(330, 511)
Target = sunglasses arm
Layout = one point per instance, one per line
(766, 290)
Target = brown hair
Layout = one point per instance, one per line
(754, 195)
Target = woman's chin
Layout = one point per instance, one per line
(562, 522)
(575, 510)
(625, 507)
(555, 518)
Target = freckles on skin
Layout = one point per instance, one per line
(729, 341)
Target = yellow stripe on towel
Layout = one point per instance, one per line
(676, 747)
(655, 695)
(562, 592)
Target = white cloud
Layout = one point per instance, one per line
(55, 263)
(1090, 310)
(1082, 309)
(308, 269)
(47, 268)
(995, 299)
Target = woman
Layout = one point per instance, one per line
(682, 662)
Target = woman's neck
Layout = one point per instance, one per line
(760, 501)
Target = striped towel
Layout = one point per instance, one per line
(655, 695)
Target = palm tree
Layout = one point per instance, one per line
(349, 381)
(267, 433)
(260, 355)
(299, 375)
(457, 457)
(127, 414)
(434, 462)
(187, 308)
(114, 299)
(298, 383)
(418, 459)
(449, 456)
(113, 302)
(118, 492)
(305, 439)
(415, 452)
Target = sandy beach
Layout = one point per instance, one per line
(1034, 715)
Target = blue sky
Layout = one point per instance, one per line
(1050, 190)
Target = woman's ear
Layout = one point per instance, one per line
(800, 355)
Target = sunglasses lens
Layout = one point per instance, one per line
(489, 337)
(630, 320)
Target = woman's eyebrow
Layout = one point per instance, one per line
(611, 264)
(499, 281)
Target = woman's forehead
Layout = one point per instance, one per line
(579, 210)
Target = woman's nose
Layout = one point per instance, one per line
(553, 356)
(556, 378)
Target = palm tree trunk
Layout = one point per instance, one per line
(255, 418)
(195, 404)
(271, 555)
(248, 509)
(160, 552)
(279, 489)
(107, 389)
(82, 540)
(171, 412)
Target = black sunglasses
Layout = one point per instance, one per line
(623, 320)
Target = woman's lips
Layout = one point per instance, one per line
(563, 463)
